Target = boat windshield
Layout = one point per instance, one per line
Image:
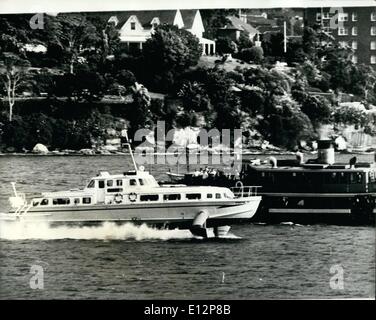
(91, 184)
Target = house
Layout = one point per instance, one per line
(136, 27)
(353, 27)
(235, 27)
(263, 24)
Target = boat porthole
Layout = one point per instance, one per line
(132, 197)
(118, 198)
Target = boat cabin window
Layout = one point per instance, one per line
(119, 183)
(209, 196)
(218, 196)
(133, 182)
(114, 190)
(91, 184)
(193, 196)
(149, 197)
(76, 200)
(226, 195)
(171, 197)
(61, 201)
(86, 200)
(44, 202)
(141, 181)
(35, 203)
(372, 176)
(110, 183)
(101, 184)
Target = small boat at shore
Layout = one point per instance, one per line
(136, 197)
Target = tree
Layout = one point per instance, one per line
(14, 29)
(140, 116)
(254, 54)
(194, 97)
(272, 44)
(85, 85)
(339, 67)
(317, 109)
(72, 33)
(244, 42)
(295, 52)
(225, 45)
(168, 53)
(286, 124)
(13, 74)
(215, 19)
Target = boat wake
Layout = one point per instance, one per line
(106, 231)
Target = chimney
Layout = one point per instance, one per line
(242, 16)
(325, 152)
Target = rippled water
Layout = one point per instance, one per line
(129, 262)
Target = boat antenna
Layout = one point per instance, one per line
(125, 135)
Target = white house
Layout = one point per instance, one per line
(135, 27)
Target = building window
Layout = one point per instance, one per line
(354, 16)
(326, 15)
(373, 45)
(343, 17)
(373, 59)
(343, 31)
(354, 45)
(373, 16)
(354, 31)
(133, 25)
(318, 16)
(354, 58)
(373, 31)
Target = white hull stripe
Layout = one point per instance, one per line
(307, 210)
(315, 195)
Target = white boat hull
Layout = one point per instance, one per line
(137, 213)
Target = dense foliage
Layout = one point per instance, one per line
(85, 66)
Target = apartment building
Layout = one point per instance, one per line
(353, 27)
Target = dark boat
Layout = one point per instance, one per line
(319, 190)
(316, 191)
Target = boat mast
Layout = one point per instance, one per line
(125, 135)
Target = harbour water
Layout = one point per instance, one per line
(136, 262)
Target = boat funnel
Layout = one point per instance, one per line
(300, 157)
(273, 162)
(325, 152)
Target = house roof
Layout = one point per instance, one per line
(188, 18)
(238, 24)
(265, 29)
(258, 21)
(145, 17)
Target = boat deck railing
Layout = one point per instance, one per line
(245, 191)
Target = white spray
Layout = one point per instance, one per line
(106, 231)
